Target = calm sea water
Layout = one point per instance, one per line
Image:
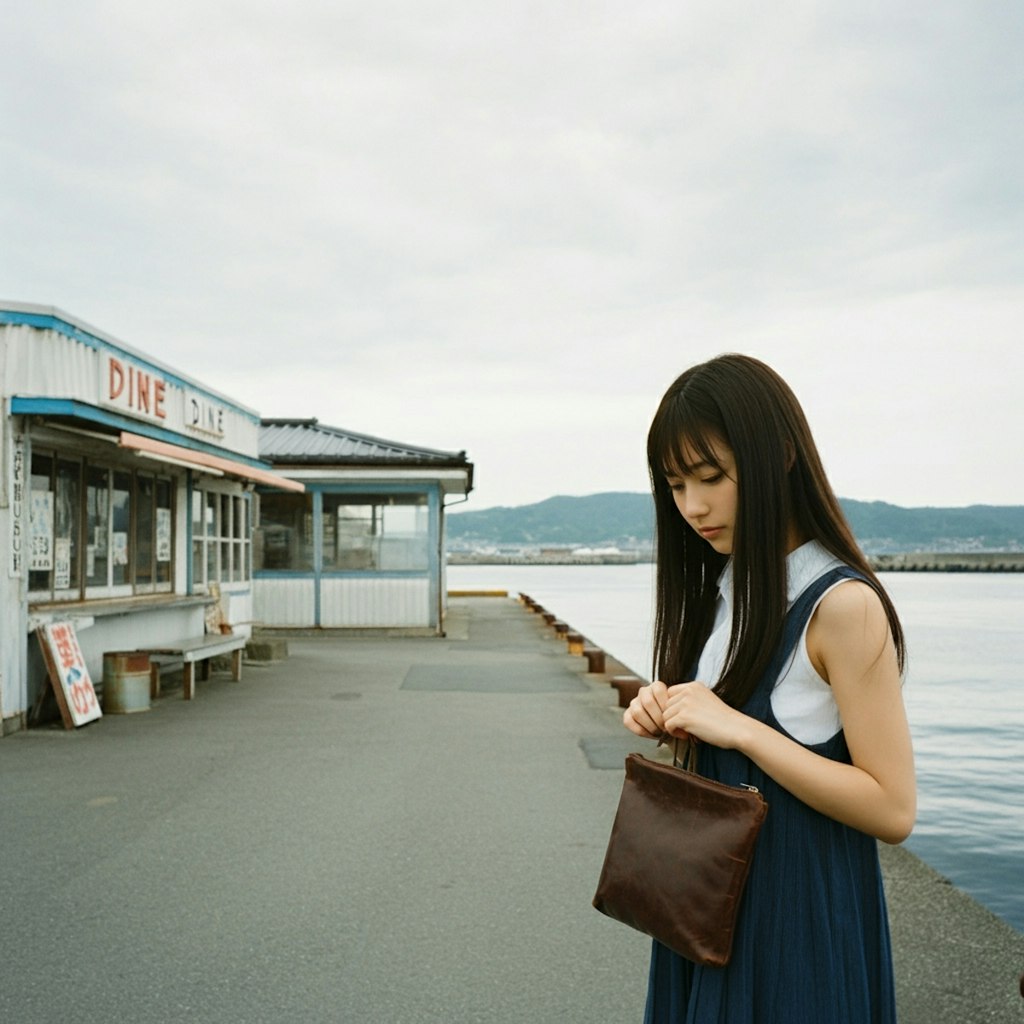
(964, 694)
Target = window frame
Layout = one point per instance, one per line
(88, 467)
(221, 554)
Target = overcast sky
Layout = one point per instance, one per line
(506, 228)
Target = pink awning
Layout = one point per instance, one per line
(229, 467)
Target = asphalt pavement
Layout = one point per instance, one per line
(399, 830)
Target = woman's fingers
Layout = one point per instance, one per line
(644, 716)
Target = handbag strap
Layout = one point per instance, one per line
(688, 762)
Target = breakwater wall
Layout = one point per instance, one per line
(949, 561)
(913, 561)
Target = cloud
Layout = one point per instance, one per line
(507, 229)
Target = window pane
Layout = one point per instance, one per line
(97, 526)
(405, 542)
(350, 533)
(198, 561)
(120, 511)
(238, 518)
(67, 517)
(164, 531)
(226, 568)
(283, 538)
(40, 576)
(241, 535)
(144, 539)
(365, 533)
(210, 522)
(210, 529)
(212, 575)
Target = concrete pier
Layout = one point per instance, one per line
(377, 829)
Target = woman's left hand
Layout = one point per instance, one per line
(693, 709)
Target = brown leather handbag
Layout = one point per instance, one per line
(678, 857)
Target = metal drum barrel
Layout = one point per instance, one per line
(125, 682)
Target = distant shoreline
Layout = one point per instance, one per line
(936, 561)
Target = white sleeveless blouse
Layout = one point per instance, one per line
(802, 701)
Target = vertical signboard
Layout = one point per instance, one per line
(72, 686)
(18, 544)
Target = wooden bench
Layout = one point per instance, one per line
(187, 653)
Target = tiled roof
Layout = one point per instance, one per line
(308, 441)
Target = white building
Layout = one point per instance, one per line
(363, 546)
(125, 499)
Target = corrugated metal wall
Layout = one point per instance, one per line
(355, 601)
(365, 601)
(284, 602)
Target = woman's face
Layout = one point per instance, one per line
(707, 494)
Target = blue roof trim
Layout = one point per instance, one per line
(81, 411)
(49, 322)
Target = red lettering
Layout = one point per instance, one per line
(158, 398)
(78, 698)
(116, 378)
(142, 380)
(65, 649)
(83, 696)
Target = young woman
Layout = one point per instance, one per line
(754, 559)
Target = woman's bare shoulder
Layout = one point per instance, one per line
(849, 617)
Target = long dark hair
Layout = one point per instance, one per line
(740, 402)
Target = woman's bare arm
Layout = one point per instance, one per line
(850, 643)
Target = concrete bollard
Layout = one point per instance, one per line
(575, 642)
(628, 687)
(595, 659)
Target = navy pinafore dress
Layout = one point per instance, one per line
(812, 938)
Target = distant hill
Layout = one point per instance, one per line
(626, 520)
(615, 517)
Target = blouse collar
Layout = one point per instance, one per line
(803, 565)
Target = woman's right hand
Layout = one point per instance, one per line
(645, 715)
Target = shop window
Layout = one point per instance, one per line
(120, 522)
(220, 538)
(375, 533)
(67, 526)
(55, 526)
(145, 505)
(97, 527)
(283, 534)
(163, 533)
(41, 556)
(96, 531)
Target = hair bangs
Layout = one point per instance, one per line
(682, 437)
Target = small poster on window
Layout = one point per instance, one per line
(163, 534)
(61, 563)
(119, 543)
(41, 531)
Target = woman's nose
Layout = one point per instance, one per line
(694, 503)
